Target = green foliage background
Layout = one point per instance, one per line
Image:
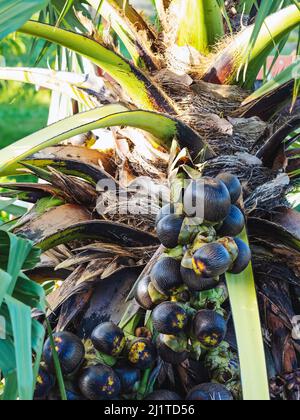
(23, 109)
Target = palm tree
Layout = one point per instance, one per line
(187, 86)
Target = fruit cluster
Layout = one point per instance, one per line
(202, 245)
(183, 296)
(96, 379)
(100, 381)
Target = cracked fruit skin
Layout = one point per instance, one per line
(168, 230)
(212, 260)
(108, 338)
(99, 382)
(170, 318)
(209, 392)
(142, 353)
(70, 351)
(207, 198)
(233, 185)
(210, 328)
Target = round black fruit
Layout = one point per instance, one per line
(170, 318)
(99, 383)
(72, 393)
(196, 282)
(163, 395)
(142, 353)
(166, 210)
(146, 295)
(129, 377)
(234, 223)
(165, 275)
(70, 351)
(44, 384)
(210, 328)
(172, 350)
(108, 338)
(211, 260)
(243, 259)
(168, 230)
(207, 198)
(233, 185)
(209, 392)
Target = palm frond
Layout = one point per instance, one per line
(163, 127)
(238, 63)
(135, 83)
(200, 23)
(11, 17)
(18, 295)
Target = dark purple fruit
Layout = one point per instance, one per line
(207, 198)
(163, 395)
(172, 349)
(232, 184)
(142, 353)
(70, 351)
(72, 392)
(170, 318)
(168, 230)
(243, 259)
(108, 338)
(166, 210)
(99, 383)
(209, 392)
(146, 295)
(234, 223)
(210, 328)
(196, 282)
(44, 384)
(165, 275)
(211, 260)
(129, 377)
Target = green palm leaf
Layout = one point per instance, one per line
(163, 127)
(14, 13)
(136, 84)
(246, 54)
(290, 73)
(23, 337)
(200, 23)
(76, 86)
(244, 306)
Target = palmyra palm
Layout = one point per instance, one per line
(185, 89)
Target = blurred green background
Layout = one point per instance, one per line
(23, 108)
